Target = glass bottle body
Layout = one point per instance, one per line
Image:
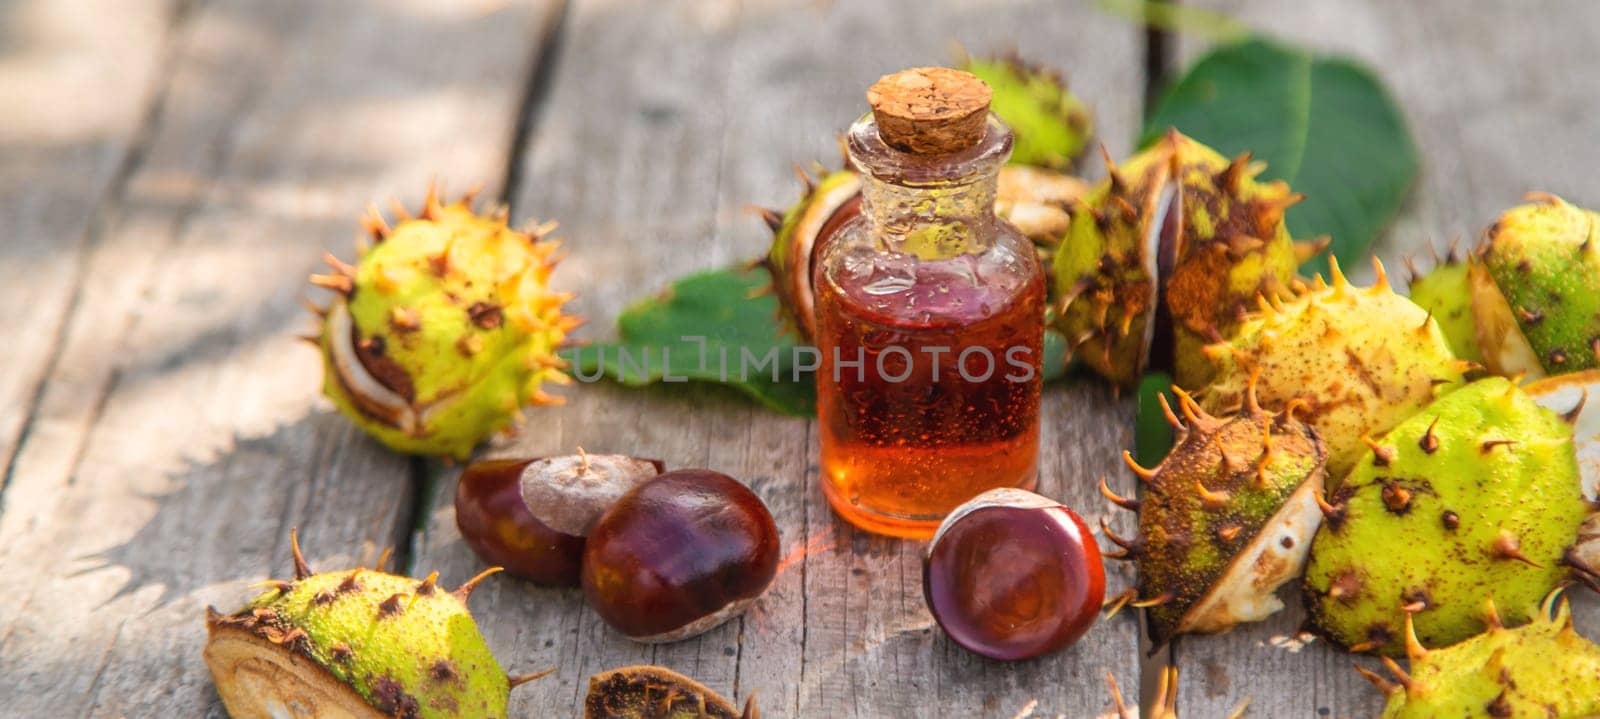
(930, 325)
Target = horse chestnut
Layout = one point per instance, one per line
(497, 524)
(1013, 575)
(679, 555)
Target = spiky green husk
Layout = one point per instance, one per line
(405, 647)
(1576, 397)
(1104, 283)
(1540, 670)
(1570, 395)
(443, 331)
(1445, 292)
(1050, 125)
(1477, 494)
(1361, 359)
(1536, 289)
(1224, 233)
(1226, 518)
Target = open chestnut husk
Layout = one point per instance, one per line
(1013, 575)
(678, 555)
(647, 691)
(497, 524)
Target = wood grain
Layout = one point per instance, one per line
(76, 125)
(1495, 113)
(179, 435)
(178, 166)
(649, 178)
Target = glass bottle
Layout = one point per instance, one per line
(930, 315)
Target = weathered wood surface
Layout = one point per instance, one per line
(1492, 97)
(77, 109)
(177, 166)
(171, 430)
(648, 162)
(178, 435)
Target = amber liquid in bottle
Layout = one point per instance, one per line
(930, 325)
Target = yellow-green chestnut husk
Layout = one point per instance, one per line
(444, 329)
(1225, 519)
(1167, 254)
(1541, 669)
(1477, 494)
(1360, 359)
(1535, 288)
(359, 643)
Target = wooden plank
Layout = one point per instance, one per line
(63, 155)
(663, 121)
(624, 156)
(180, 435)
(1488, 131)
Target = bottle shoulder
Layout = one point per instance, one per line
(1008, 252)
(962, 288)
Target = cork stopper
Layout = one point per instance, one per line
(930, 110)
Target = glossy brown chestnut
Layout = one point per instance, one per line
(500, 530)
(1013, 575)
(679, 555)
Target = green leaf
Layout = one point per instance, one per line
(1324, 124)
(707, 327)
(1055, 356)
(1152, 435)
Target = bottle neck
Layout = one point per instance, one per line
(930, 206)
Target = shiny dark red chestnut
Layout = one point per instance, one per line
(679, 555)
(1013, 575)
(497, 526)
